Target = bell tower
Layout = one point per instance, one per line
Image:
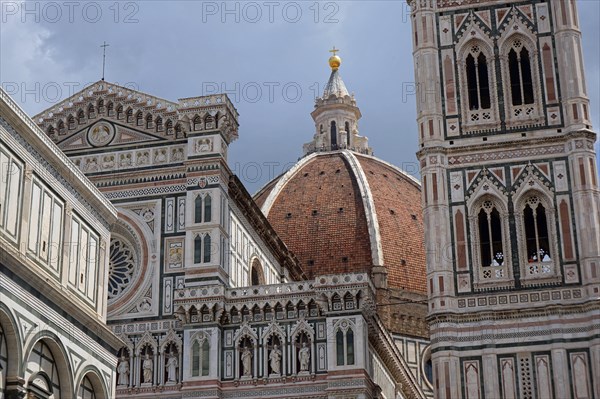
(510, 198)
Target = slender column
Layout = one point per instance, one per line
(131, 370)
(156, 366)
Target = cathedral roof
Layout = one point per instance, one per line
(345, 212)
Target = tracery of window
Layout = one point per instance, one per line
(519, 66)
(478, 84)
(536, 235)
(478, 107)
(536, 232)
(489, 242)
(521, 82)
(121, 266)
(490, 235)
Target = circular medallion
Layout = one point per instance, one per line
(100, 134)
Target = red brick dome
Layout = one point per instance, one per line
(346, 212)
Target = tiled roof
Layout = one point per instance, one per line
(319, 212)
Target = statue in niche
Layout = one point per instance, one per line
(147, 367)
(171, 366)
(246, 361)
(275, 359)
(304, 357)
(303, 346)
(123, 370)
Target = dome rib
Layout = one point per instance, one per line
(283, 180)
(369, 205)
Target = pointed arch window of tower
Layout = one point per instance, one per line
(537, 237)
(519, 66)
(207, 248)
(198, 249)
(203, 204)
(490, 235)
(344, 346)
(200, 357)
(202, 248)
(490, 244)
(198, 210)
(536, 231)
(207, 208)
(477, 80)
(521, 80)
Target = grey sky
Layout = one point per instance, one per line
(177, 49)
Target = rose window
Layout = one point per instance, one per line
(121, 266)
